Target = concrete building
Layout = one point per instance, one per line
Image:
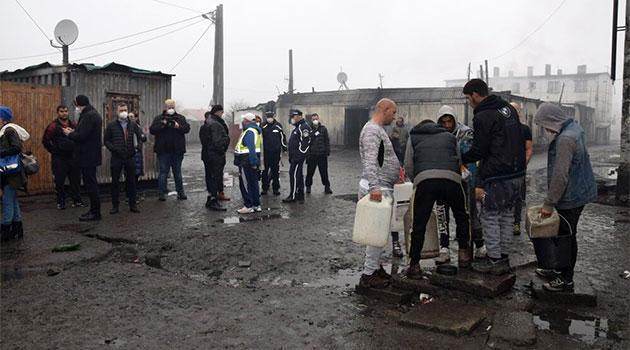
(589, 89)
(345, 112)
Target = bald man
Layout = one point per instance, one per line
(529, 151)
(169, 129)
(380, 172)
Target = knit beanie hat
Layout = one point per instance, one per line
(5, 113)
(216, 108)
(82, 101)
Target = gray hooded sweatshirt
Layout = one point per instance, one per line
(550, 116)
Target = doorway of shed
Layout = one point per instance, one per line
(355, 118)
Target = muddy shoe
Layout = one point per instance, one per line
(381, 272)
(547, 273)
(373, 281)
(289, 199)
(327, 190)
(414, 272)
(516, 228)
(559, 285)
(498, 267)
(480, 252)
(162, 197)
(397, 250)
(246, 210)
(464, 258)
(444, 257)
(17, 230)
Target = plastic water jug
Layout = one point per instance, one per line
(431, 247)
(372, 222)
(402, 199)
(537, 227)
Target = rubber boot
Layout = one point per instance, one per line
(6, 233)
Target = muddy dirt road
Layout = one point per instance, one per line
(284, 280)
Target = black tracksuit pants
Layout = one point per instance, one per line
(62, 168)
(119, 165)
(271, 172)
(313, 162)
(91, 186)
(426, 194)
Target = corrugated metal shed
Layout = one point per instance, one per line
(106, 86)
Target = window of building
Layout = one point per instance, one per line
(516, 88)
(581, 86)
(532, 86)
(553, 87)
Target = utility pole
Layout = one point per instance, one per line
(623, 173)
(217, 84)
(380, 78)
(481, 71)
(290, 72)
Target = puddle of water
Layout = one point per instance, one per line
(348, 197)
(584, 328)
(239, 219)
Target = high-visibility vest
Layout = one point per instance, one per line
(242, 149)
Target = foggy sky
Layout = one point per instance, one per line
(412, 43)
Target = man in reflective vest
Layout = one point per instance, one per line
(299, 143)
(247, 158)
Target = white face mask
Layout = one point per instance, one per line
(258, 123)
(315, 122)
(292, 121)
(77, 110)
(269, 120)
(170, 111)
(123, 115)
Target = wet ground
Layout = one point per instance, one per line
(179, 276)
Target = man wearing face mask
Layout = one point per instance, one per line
(214, 143)
(275, 144)
(247, 158)
(170, 129)
(61, 148)
(88, 140)
(299, 142)
(318, 155)
(119, 140)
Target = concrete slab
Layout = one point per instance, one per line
(418, 286)
(512, 328)
(483, 285)
(582, 295)
(445, 316)
(388, 295)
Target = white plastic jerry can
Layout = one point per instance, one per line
(372, 221)
(402, 200)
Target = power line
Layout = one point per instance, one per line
(140, 42)
(178, 6)
(191, 48)
(33, 20)
(102, 42)
(532, 33)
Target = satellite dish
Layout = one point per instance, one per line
(342, 78)
(66, 32)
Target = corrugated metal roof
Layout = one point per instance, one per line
(367, 97)
(90, 67)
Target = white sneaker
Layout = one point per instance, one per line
(445, 256)
(246, 210)
(258, 208)
(481, 251)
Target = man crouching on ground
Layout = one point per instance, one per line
(381, 170)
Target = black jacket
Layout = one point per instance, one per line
(320, 142)
(169, 139)
(497, 141)
(56, 142)
(116, 143)
(299, 142)
(88, 139)
(274, 140)
(10, 144)
(431, 154)
(214, 138)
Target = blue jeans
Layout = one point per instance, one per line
(10, 206)
(249, 186)
(168, 161)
